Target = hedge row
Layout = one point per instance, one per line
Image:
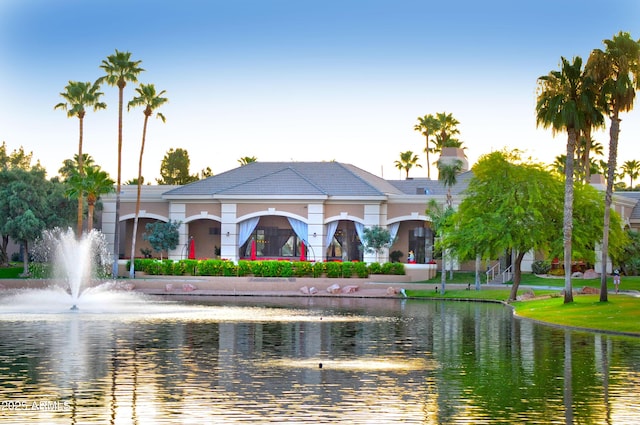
(267, 268)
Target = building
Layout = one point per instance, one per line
(292, 210)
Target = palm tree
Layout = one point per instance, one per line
(426, 126)
(69, 166)
(78, 97)
(617, 72)
(564, 99)
(93, 183)
(247, 160)
(448, 175)
(631, 168)
(151, 101)
(446, 128)
(407, 161)
(120, 69)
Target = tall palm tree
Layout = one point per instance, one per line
(78, 97)
(564, 99)
(93, 183)
(119, 69)
(427, 125)
(448, 175)
(631, 168)
(617, 72)
(446, 128)
(151, 100)
(407, 161)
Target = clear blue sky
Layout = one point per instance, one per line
(298, 80)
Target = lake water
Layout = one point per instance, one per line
(308, 361)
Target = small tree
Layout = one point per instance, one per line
(162, 236)
(376, 239)
(174, 168)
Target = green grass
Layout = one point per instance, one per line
(11, 272)
(621, 313)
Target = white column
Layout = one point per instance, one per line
(315, 220)
(177, 212)
(229, 232)
(109, 223)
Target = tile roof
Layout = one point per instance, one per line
(635, 213)
(289, 179)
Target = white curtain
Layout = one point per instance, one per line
(360, 231)
(246, 228)
(393, 230)
(331, 230)
(300, 228)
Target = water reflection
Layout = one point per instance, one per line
(249, 360)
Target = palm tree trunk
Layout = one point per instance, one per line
(613, 155)
(116, 232)
(426, 151)
(567, 222)
(135, 220)
(81, 172)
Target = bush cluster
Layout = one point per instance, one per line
(541, 266)
(268, 268)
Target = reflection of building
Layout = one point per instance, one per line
(292, 210)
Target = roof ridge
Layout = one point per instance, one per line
(305, 178)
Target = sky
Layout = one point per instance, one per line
(294, 80)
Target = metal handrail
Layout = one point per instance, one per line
(507, 274)
(492, 272)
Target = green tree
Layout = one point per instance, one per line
(407, 161)
(151, 100)
(162, 236)
(70, 166)
(92, 184)
(617, 73)
(376, 239)
(427, 126)
(23, 195)
(79, 96)
(631, 169)
(174, 168)
(119, 69)
(564, 99)
(206, 172)
(440, 221)
(16, 159)
(247, 160)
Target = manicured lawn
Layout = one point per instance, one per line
(12, 272)
(620, 313)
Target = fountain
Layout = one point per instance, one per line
(75, 261)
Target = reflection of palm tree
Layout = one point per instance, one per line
(151, 100)
(407, 161)
(78, 96)
(119, 69)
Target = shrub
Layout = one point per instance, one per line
(189, 267)
(333, 269)
(210, 268)
(318, 269)
(375, 268)
(395, 256)
(541, 266)
(257, 268)
(229, 268)
(244, 268)
(302, 268)
(347, 269)
(361, 269)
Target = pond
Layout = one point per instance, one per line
(308, 361)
